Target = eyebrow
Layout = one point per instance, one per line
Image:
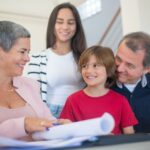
(117, 56)
(128, 63)
(25, 49)
(63, 19)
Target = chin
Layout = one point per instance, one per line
(19, 74)
(122, 80)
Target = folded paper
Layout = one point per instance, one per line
(91, 127)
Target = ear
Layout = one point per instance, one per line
(147, 70)
(1, 50)
(2, 53)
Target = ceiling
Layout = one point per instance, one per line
(35, 8)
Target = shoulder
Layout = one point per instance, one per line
(37, 58)
(119, 101)
(21, 81)
(75, 96)
(112, 92)
(39, 54)
(115, 87)
(148, 79)
(117, 95)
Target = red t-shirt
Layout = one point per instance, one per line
(80, 106)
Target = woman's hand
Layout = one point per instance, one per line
(63, 121)
(37, 124)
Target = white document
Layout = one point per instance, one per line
(77, 141)
(4, 141)
(12, 143)
(92, 127)
(67, 135)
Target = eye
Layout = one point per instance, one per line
(71, 23)
(59, 22)
(96, 65)
(22, 51)
(84, 66)
(118, 59)
(130, 66)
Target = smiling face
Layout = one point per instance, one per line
(94, 73)
(129, 64)
(12, 63)
(65, 26)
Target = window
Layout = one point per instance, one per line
(89, 8)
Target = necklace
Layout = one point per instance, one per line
(7, 87)
(10, 90)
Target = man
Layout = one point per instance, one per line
(133, 64)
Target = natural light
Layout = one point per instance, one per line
(89, 8)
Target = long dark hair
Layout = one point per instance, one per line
(78, 42)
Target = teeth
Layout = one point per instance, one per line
(91, 77)
(64, 33)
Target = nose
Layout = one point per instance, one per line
(65, 25)
(89, 69)
(27, 58)
(120, 67)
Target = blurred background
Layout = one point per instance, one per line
(104, 21)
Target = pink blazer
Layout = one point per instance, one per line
(29, 90)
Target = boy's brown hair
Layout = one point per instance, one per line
(104, 56)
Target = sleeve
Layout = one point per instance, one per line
(32, 69)
(46, 113)
(13, 128)
(67, 112)
(127, 115)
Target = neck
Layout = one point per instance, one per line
(95, 92)
(62, 48)
(6, 82)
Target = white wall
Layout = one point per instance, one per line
(36, 26)
(135, 15)
(33, 15)
(96, 25)
(144, 15)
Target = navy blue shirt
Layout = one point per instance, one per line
(139, 100)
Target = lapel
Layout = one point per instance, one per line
(27, 93)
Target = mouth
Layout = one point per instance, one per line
(64, 33)
(122, 75)
(90, 77)
(21, 66)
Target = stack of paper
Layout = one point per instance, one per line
(72, 134)
(92, 127)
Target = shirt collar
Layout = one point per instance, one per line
(143, 80)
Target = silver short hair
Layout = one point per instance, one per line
(10, 32)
